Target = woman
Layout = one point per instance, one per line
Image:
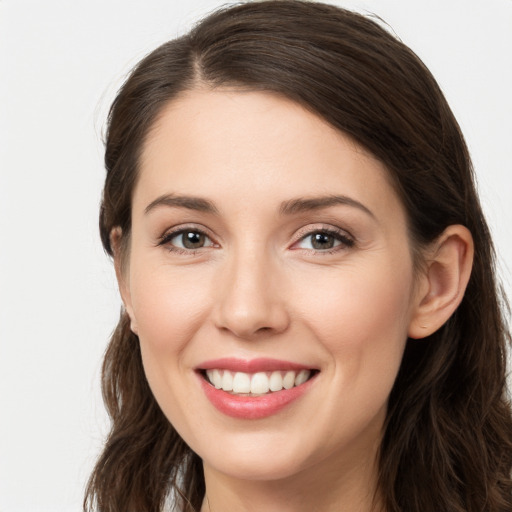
(311, 319)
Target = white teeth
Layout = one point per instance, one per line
(227, 381)
(258, 383)
(215, 378)
(241, 383)
(289, 380)
(276, 381)
(302, 377)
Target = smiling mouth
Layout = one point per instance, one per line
(256, 384)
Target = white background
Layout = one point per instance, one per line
(61, 62)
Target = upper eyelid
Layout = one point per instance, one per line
(179, 228)
(299, 234)
(170, 233)
(344, 237)
(311, 229)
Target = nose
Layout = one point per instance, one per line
(251, 298)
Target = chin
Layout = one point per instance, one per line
(258, 468)
(261, 456)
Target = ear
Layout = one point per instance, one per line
(442, 285)
(123, 282)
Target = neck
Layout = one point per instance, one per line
(325, 487)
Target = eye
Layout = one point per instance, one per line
(186, 239)
(324, 240)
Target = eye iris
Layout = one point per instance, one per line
(322, 241)
(193, 240)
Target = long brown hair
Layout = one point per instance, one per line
(447, 443)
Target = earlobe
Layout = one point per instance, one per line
(443, 284)
(121, 275)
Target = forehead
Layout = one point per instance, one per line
(246, 147)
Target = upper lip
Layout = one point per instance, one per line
(262, 364)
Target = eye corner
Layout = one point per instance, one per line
(198, 240)
(329, 239)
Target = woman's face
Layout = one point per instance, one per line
(267, 250)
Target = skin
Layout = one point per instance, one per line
(259, 288)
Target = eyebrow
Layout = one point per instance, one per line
(305, 204)
(188, 202)
(290, 207)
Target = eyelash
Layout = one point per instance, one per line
(165, 240)
(345, 241)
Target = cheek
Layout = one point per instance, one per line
(361, 322)
(169, 306)
(362, 318)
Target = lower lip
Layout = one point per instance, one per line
(253, 407)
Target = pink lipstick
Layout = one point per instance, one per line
(253, 389)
